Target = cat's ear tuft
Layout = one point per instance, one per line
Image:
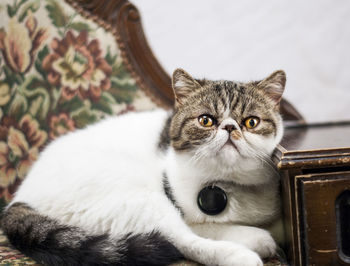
(273, 85)
(183, 85)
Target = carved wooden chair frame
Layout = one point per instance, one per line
(123, 19)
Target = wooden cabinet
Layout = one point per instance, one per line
(314, 162)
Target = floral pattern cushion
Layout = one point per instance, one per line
(58, 71)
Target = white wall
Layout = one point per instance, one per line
(246, 40)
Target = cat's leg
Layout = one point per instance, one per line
(203, 250)
(156, 213)
(254, 238)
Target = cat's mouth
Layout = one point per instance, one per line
(229, 143)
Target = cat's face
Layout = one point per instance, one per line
(226, 123)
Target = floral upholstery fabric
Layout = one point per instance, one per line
(58, 71)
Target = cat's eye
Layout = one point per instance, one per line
(206, 121)
(251, 122)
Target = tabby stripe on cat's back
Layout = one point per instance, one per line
(169, 193)
(164, 140)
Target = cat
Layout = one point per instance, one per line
(125, 191)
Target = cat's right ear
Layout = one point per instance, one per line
(273, 86)
(183, 85)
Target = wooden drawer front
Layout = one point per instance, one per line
(317, 198)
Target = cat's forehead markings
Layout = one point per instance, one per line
(227, 111)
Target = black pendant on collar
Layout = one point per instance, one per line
(212, 200)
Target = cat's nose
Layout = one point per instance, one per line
(230, 128)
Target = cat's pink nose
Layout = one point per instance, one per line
(230, 128)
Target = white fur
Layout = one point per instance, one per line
(108, 179)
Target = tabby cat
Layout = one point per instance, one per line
(128, 190)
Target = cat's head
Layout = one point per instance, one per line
(226, 125)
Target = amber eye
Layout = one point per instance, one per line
(205, 121)
(251, 122)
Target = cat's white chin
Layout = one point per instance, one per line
(229, 153)
(233, 165)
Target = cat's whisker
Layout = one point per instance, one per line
(197, 156)
(264, 158)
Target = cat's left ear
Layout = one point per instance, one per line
(183, 85)
(273, 85)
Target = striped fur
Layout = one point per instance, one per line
(51, 243)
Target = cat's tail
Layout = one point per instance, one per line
(51, 243)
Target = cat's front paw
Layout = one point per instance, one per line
(262, 243)
(243, 257)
